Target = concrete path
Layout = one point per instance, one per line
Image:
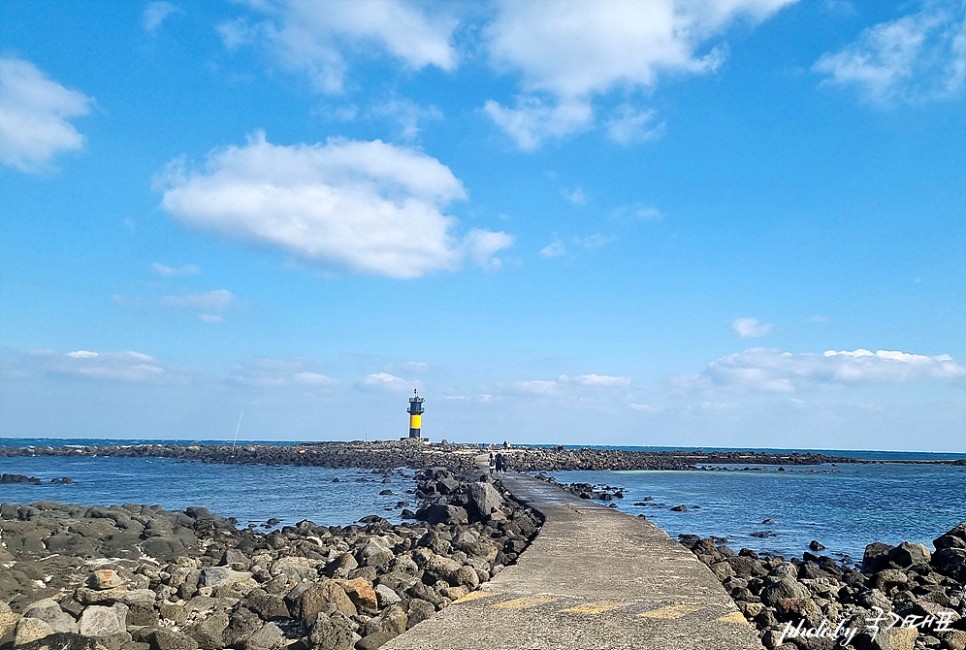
(593, 579)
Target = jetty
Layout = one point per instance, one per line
(593, 579)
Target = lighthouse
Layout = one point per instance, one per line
(415, 415)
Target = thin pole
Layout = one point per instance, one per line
(237, 428)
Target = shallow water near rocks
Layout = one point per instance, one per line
(845, 507)
(250, 493)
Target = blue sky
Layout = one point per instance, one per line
(711, 223)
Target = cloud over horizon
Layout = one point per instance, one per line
(564, 383)
(266, 373)
(774, 371)
(126, 366)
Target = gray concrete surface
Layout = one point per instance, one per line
(593, 579)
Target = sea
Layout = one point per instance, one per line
(842, 506)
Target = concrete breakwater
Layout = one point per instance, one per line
(137, 577)
(387, 455)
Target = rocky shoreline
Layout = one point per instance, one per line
(909, 596)
(136, 577)
(912, 597)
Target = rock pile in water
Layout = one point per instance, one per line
(384, 455)
(137, 577)
(558, 459)
(903, 597)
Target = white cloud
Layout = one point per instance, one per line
(408, 115)
(532, 122)
(211, 305)
(35, 115)
(173, 271)
(266, 373)
(576, 196)
(594, 380)
(632, 126)
(593, 242)
(481, 247)
(366, 207)
(82, 354)
(386, 382)
(567, 383)
(574, 50)
(411, 366)
(236, 32)
(125, 366)
(556, 248)
(537, 386)
(918, 57)
(312, 38)
(750, 327)
(638, 211)
(769, 370)
(156, 13)
(646, 408)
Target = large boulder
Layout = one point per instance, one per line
(361, 593)
(29, 630)
(784, 589)
(895, 638)
(341, 566)
(48, 610)
(210, 632)
(907, 554)
(320, 594)
(876, 557)
(105, 623)
(439, 513)
(165, 639)
(267, 637)
(952, 538)
(241, 624)
(105, 579)
(951, 561)
(331, 632)
(299, 568)
(221, 576)
(386, 596)
(378, 631)
(483, 499)
(442, 568)
(376, 552)
(266, 605)
(8, 619)
(418, 611)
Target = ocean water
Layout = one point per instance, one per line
(845, 507)
(250, 493)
